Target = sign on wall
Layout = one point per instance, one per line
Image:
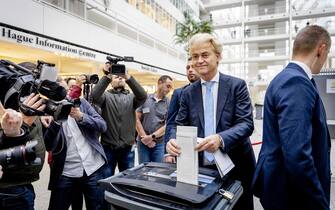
(8, 34)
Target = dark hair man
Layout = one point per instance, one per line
(118, 107)
(192, 77)
(293, 169)
(77, 156)
(150, 122)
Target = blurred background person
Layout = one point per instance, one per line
(192, 76)
(150, 122)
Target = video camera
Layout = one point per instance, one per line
(118, 69)
(19, 155)
(91, 78)
(17, 83)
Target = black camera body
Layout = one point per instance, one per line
(91, 78)
(118, 69)
(17, 82)
(75, 102)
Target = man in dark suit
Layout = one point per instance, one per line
(219, 105)
(192, 77)
(293, 169)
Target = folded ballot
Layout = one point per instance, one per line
(222, 161)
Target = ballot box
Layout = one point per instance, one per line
(154, 186)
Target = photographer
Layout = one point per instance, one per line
(77, 155)
(118, 107)
(16, 190)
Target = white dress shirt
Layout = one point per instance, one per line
(215, 89)
(80, 155)
(304, 67)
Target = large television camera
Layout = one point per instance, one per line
(18, 82)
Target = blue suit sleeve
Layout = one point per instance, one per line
(91, 119)
(182, 117)
(295, 103)
(172, 113)
(53, 138)
(243, 122)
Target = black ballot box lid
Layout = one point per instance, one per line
(155, 185)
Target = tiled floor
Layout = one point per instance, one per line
(42, 194)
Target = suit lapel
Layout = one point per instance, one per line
(223, 94)
(197, 96)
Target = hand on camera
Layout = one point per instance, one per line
(33, 101)
(76, 113)
(106, 68)
(126, 76)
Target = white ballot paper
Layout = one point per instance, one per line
(222, 161)
(187, 161)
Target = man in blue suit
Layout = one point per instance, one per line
(219, 105)
(293, 169)
(192, 77)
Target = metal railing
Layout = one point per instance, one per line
(265, 31)
(271, 10)
(266, 52)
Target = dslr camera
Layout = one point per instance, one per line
(118, 69)
(91, 78)
(19, 155)
(17, 82)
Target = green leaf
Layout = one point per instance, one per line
(184, 31)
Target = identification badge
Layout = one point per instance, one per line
(146, 110)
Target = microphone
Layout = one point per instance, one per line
(52, 90)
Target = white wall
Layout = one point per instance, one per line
(33, 16)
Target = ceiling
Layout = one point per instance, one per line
(70, 66)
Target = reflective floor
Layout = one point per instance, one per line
(42, 194)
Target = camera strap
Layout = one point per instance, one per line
(28, 111)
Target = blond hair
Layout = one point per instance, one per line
(206, 38)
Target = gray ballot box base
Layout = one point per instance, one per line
(152, 186)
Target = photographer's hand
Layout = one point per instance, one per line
(46, 120)
(35, 102)
(11, 123)
(126, 76)
(76, 114)
(106, 69)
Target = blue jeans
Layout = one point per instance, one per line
(146, 154)
(122, 157)
(17, 197)
(67, 188)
